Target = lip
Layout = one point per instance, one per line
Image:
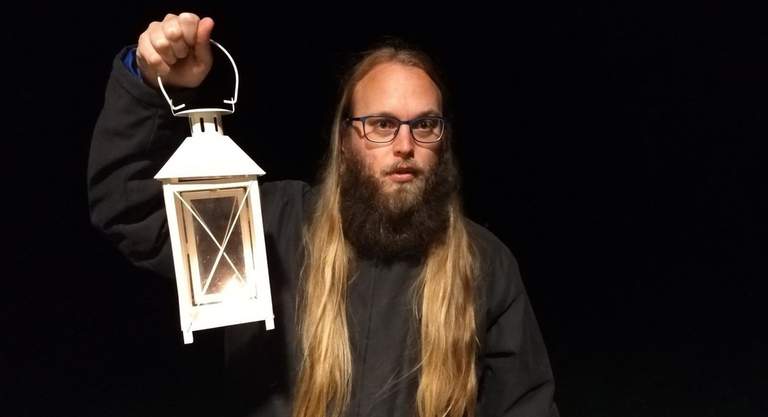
(402, 177)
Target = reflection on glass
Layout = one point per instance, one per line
(215, 222)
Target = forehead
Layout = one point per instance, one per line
(401, 90)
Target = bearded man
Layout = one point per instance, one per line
(388, 301)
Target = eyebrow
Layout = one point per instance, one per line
(426, 113)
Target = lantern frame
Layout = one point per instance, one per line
(200, 316)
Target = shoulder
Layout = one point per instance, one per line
(283, 195)
(283, 199)
(492, 253)
(499, 273)
(284, 189)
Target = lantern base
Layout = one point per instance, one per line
(269, 324)
(230, 313)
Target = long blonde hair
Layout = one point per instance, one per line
(445, 290)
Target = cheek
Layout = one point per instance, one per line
(428, 157)
(372, 157)
(373, 162)
(353, 150)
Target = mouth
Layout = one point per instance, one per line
(403, 174)
(400, 177)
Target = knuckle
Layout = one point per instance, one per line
(161, 43)
(180, 51)
(189, 17)
(172, 32)
(152, 27)
(154, 61)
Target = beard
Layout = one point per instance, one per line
(404, 222)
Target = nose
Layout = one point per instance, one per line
(402, 144)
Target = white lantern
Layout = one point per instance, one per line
(214, 219)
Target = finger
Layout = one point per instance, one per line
(203, 40)
(188, 23)
(150, 62)
(172, 31)
(160, 43)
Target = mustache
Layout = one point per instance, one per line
(403, 168)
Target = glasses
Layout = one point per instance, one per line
(383, 129)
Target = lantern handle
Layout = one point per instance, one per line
(231, 101)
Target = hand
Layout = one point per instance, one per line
(178, 49)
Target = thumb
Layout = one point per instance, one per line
(203, 40)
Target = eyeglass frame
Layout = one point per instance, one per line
(362, 119)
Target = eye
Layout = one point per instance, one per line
(382, 123)
(426, 124)
(386, 124)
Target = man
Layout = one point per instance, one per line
(388, 301)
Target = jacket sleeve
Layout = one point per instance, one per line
(134, 135)
(516, 377)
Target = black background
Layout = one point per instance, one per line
(620, 152)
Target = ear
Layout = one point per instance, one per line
(342, 156)
(343, 146)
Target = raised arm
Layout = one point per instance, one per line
(135, 134)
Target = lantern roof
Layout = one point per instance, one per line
(208, 155)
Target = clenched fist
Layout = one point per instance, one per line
(178, 49)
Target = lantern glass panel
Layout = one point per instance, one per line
(217, 241)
